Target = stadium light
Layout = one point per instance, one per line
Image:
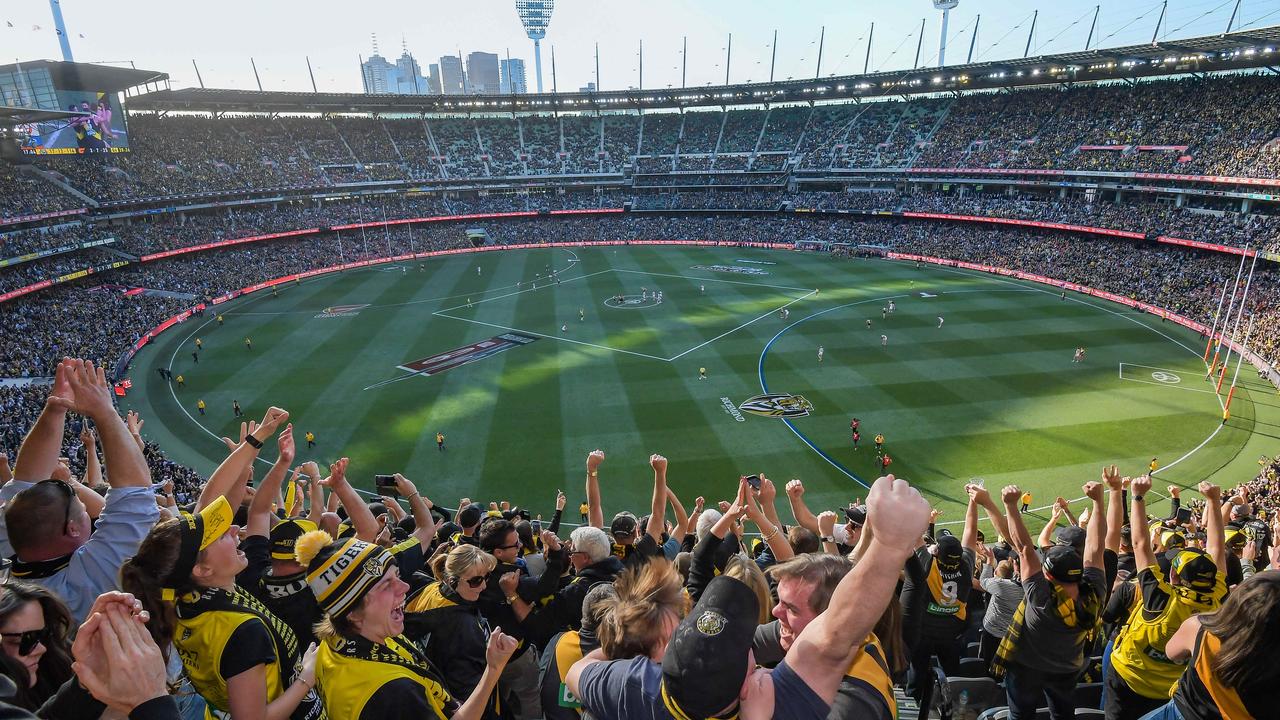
(535, 15)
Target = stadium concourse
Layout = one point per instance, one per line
(295, 362)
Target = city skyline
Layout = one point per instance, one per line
(334, 37)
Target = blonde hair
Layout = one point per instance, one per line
(741, 567)
(649, 604)
(449, 568)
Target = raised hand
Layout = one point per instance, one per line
(896, 514)
(826, 523)
(1211, 492)
(337, 474)
(117, 661)
(1175, 491)
(934, 514)
(594, 459)
(509, 582)
(1111, 476)
(1010, 494)
(500, 648)
(85, 390)
(560, 500)
(768, 493)
(86, 438)
(699, 504)
(658, 463)
(550, 541)
(978, 494)
(1141, 485)
(273, 418)
(288, 450)
(795, 489)
(1093, 491)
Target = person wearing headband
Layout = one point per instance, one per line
(366, 668)
(238, 655)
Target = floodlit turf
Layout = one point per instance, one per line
(991, 394)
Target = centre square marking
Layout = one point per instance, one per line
(564, 328)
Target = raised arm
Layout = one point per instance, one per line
(1066, 511)
(1095, 534)
(424, 523)
(260, 507)
(897, 515)
(90, 395)
(1018, 535)
(1115, 506)
(658, 503)
(969, 538)
(681, 527)
(315, 490)
(227, 480)
(595, 513)
(1214, 533)
(38, 455)
(983, 498)
(1045, 539)
(92, 465)
(770, 532)
(1143, 555)
(358, 512)
(804, 518)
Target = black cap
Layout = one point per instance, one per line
(1064, 564)
(706, 661)
(470, 515)
(623, 524)
(950, 552)
(856, 514)
(1071, 536)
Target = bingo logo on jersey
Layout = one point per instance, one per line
(334, 311)
(783, 405)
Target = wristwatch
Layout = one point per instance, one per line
(253, 441)
(829, 538)
(1138, 497)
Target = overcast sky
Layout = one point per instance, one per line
(221, 36)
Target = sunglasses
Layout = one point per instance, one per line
(70, 493)
(512, 546)
(28, 640)
(477, 581)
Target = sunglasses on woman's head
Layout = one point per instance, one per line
(28, 640)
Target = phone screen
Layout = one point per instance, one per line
(754, 481)
(386, 484)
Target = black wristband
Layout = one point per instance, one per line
(253, 441)
(1138, 498)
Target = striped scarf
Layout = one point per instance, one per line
(1083, 615)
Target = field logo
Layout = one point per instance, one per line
(334, 311)
(467, 354)
(783, 405)
(1168, 378)
(730, 269)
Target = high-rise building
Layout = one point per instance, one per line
(409, 79)
(513, 81)
(379, 75)
(482, 73)
(433, 79)
(452, 78)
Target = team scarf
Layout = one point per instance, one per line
(1083, 616)
(400, 652)
(288, 655)
(37, 569)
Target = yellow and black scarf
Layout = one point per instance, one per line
(288, 654)
(1084, 615)
(403, 653)
(37, 569)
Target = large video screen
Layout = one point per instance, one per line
(98, 128)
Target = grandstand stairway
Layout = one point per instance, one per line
(53, 180)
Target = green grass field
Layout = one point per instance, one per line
(993, 393)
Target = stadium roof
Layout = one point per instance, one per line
(10, 116)
(87, 76)
(1250, 49)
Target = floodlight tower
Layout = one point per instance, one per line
(946, 6)
(535, 15)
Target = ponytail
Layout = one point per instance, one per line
(143, 576)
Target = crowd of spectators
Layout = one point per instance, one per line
(748, 603)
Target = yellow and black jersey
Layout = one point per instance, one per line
(557, 702)
(866, 692)
(365, 681)
(1138, 655)
(1200, 695)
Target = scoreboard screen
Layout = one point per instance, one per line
(98, 127)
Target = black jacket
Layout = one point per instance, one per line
(564, 610)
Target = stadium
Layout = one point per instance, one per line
(970, 276)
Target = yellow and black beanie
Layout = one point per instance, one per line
(340, 573)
